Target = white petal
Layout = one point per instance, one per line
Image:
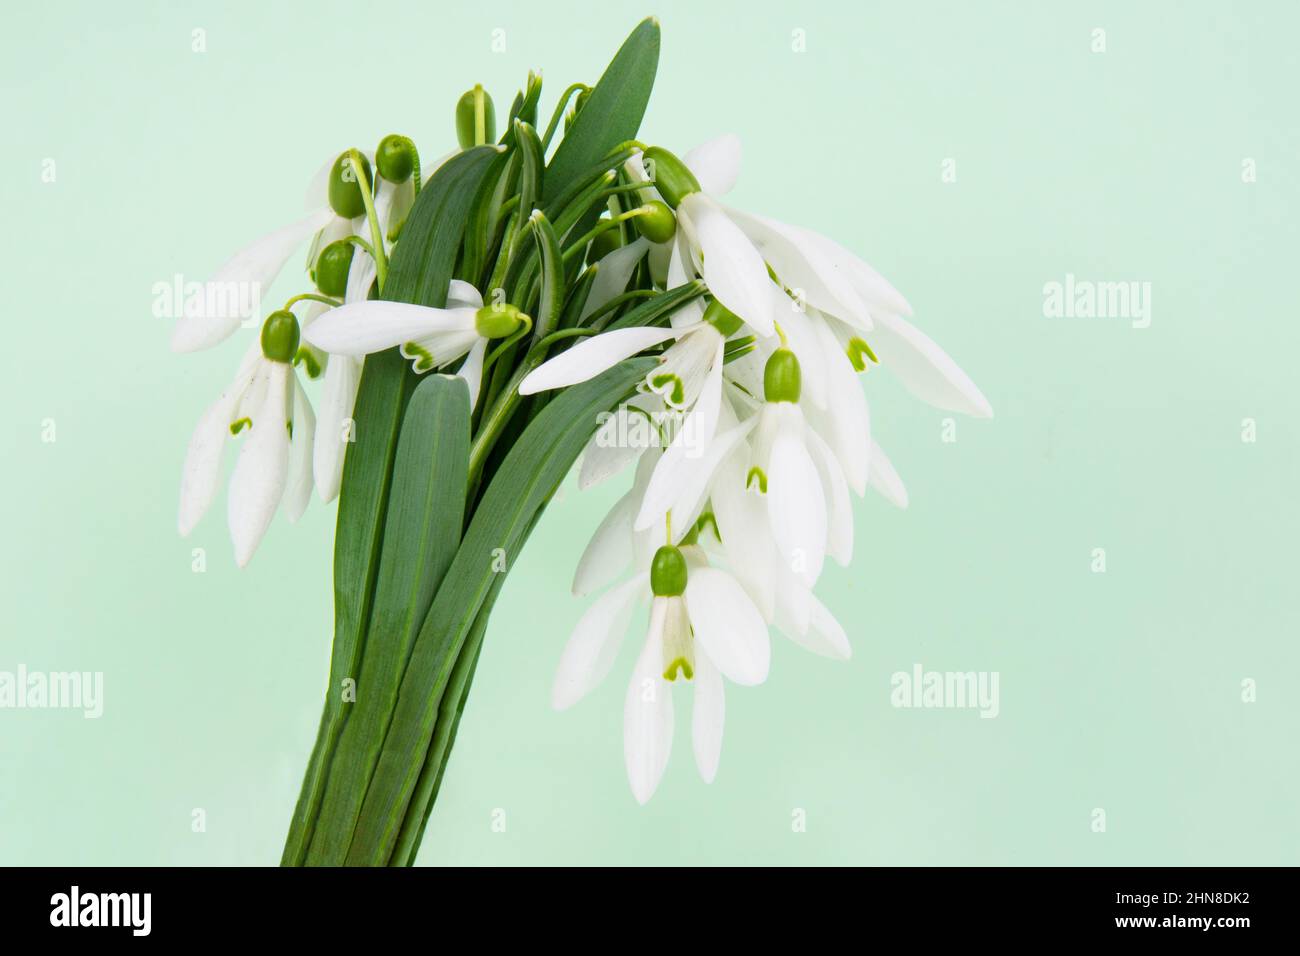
(732, 267)
(471, 370)
(925, 369)
(361, 328)
(677, 471)
(592, 356)
(884, 478)
(872, 288)
(612, 274)
(742, 523)
(793, 603)
(795, 504)
(620, 439)
(462, 295)
(298, 491)
(708, 713)
(846, 422)
(702, 425)
(821, 634)
(593, 646)
(201, 473)
(648, 713)
(361, 275)
(334, 424)
(235, 290)
(801, 265)
(257, 484)
(728, 626)
(716, 163)
(839, 510)
(610, 549)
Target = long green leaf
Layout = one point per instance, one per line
(551, 301)
(528, 476)
(426, 513)
(419, 272)
(613, 112)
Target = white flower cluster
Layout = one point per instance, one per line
(730, 518)
(761, 423)
(280, 463)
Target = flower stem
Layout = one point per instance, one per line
(376, 234)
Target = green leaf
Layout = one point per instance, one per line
(426, 514)
(551, 302)
(659, 306)
(444, 735)
(527, 478)
(419, 272)
(613, 112)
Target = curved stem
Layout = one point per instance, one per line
(311, 297)
(559, 111)
(376, 234)
(603, 226)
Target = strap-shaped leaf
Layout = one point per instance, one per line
(551, 301)
(613, 112)
(426, 513)
(419, 272)
(523, 484)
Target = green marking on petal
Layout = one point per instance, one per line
(421, 358)
(670, 386)
(678, 665)
(308, 361)
(757, 475)
(859, 351)
(239, 425)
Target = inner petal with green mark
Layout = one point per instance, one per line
(679, 644)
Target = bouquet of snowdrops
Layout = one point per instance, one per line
(475, 327)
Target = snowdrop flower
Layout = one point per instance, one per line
(794, 471)
(688, 378)
(213, 315)
(267, 402)
(339, 394)
(337, 210)
(429, 337)
(703, 627)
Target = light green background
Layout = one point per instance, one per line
(1119, 690)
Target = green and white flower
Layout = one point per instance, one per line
(703, 627)
(266, 403)
(431, 338)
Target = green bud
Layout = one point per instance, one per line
(604, 243)
(395, 158)
(668, 572)
(471, 104)
(782, 380)
(344, 191)
(673, 180)
(659, 224)
(722, 319)
(498, 321)
(332, 267)
(580, 100)
(280, 337)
